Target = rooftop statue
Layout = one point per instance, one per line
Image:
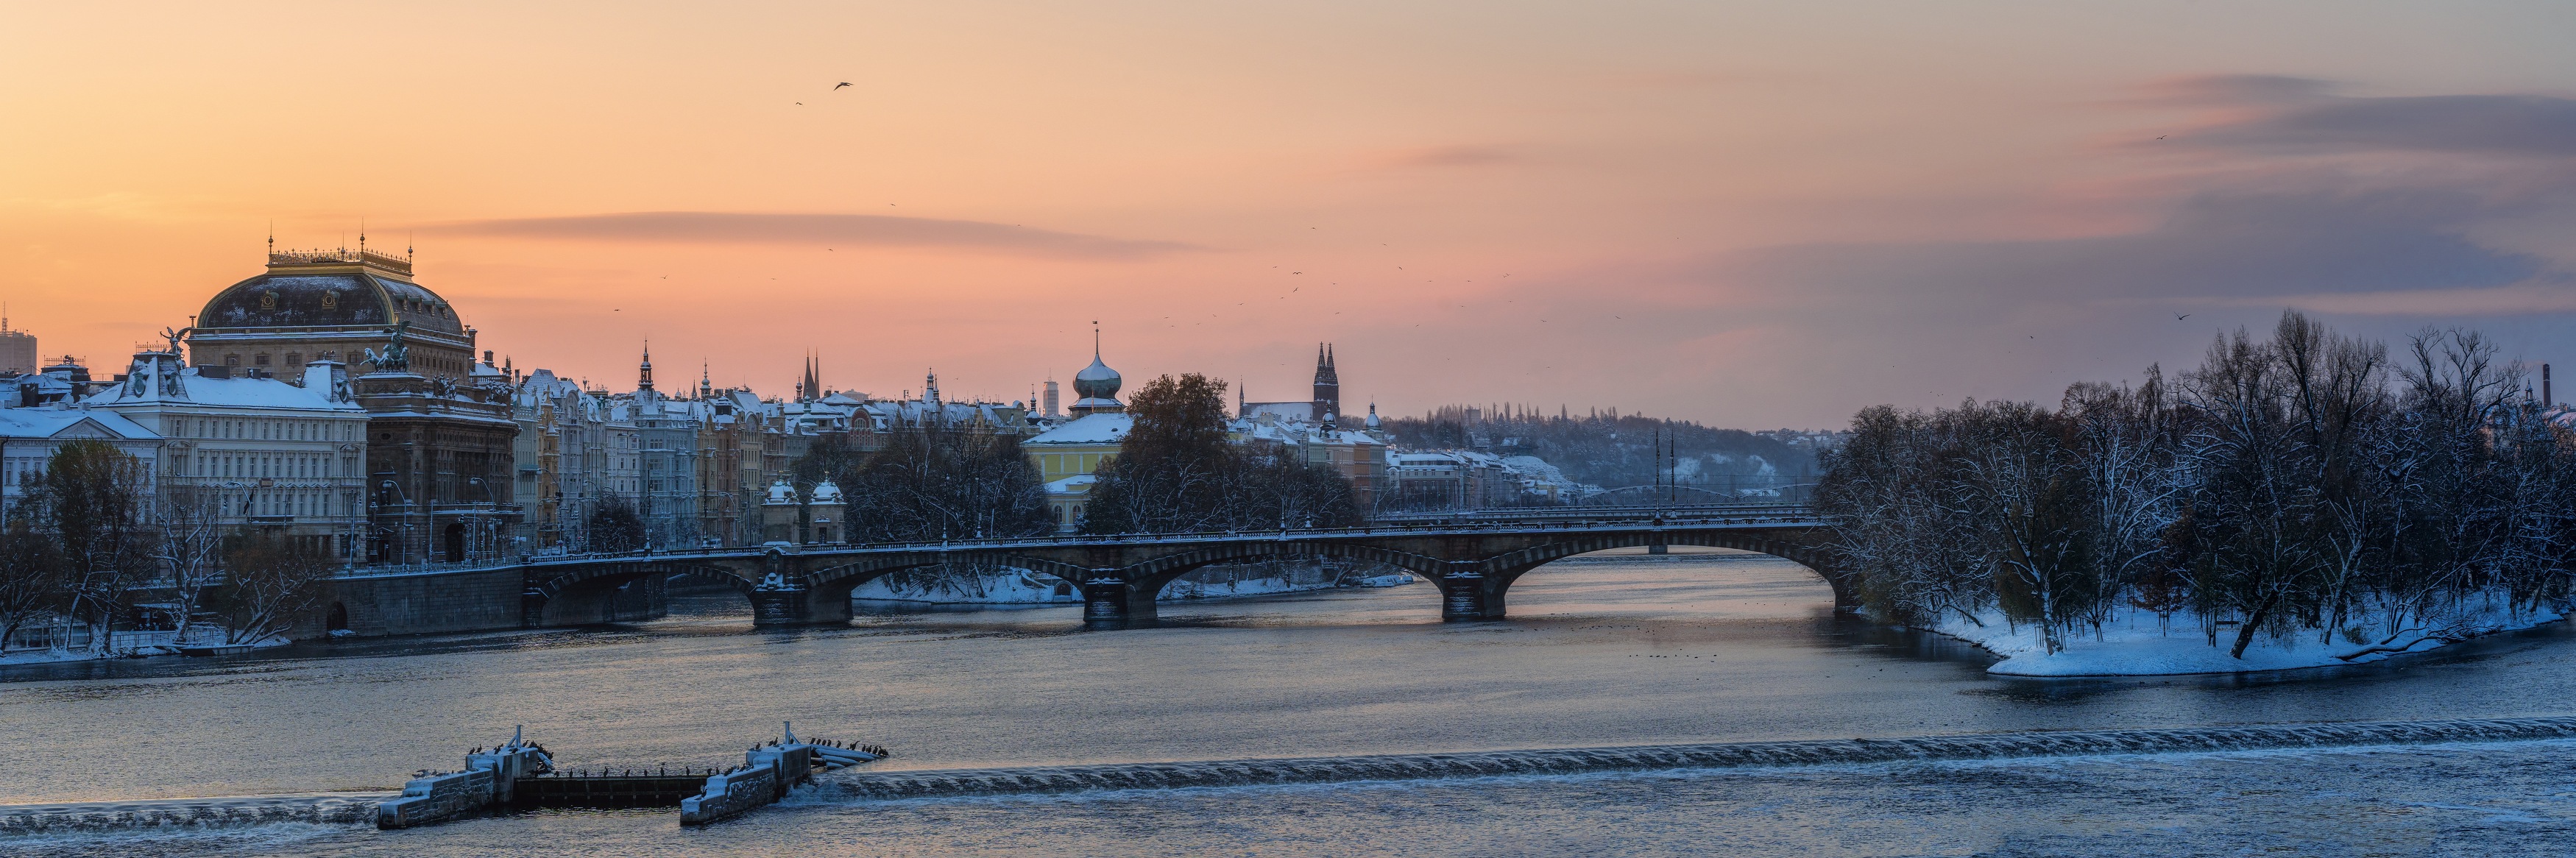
(396, 357)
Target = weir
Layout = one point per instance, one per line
(341, 808)
(879, 786)
(521, 775)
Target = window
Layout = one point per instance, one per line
(259, 360)
(232, 360)
(293, 358)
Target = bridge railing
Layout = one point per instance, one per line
(1701, 516)
(385, 569)
(1587, 512)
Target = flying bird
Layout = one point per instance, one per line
(2181, 316)
(843, 83)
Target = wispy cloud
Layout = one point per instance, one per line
(1445, 156)
(2218, 244)
(2238, 89)
(2300, 114)
(2538, 298)
(846, 230)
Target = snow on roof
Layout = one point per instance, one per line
(68, 423)
(1091, 429)
(1073, 485)
(234, 392)
(1300, 433)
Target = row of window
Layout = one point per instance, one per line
(265, 430)
(20, 472)
(288, 465)
(301, 503)
(1058, 465)
(296, 359)
(292, 358)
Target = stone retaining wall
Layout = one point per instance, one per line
(440, 602)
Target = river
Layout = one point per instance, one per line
(1613, 649)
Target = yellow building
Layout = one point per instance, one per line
(1068, 455)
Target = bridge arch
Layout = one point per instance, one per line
(1497, 573)
(1150, 577)
(828, 589)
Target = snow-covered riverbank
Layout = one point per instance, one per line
(2134, 644)
(168, 647)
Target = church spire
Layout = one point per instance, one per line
(813, 383)
(644, 380)
(1328, 385)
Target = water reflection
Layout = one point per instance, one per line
(1615, 650)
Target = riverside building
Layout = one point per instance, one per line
(248, 450)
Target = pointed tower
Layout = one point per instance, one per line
(813, 384)
(706, 381)
(1328, 383)
(644, 380)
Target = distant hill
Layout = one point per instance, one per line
(1612, 450)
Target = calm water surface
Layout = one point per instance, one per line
(1605, 650)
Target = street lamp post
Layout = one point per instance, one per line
(489, 535)
(402, 549)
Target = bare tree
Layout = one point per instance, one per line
(269, 581)
(191, 536)
(32, 584)
(2286, 484)
(92, 500)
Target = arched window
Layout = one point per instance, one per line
(232, 360)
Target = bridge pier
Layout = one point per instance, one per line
(1466, 595)
(779, 607)
(798, 606)
(1110, 602)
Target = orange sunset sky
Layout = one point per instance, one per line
(1752, 215)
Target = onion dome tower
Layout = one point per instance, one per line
(1097, 384)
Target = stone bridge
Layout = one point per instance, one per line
(1474, 560)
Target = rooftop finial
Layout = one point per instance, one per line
(1095, 339)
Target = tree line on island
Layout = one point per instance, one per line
(2312, 483)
